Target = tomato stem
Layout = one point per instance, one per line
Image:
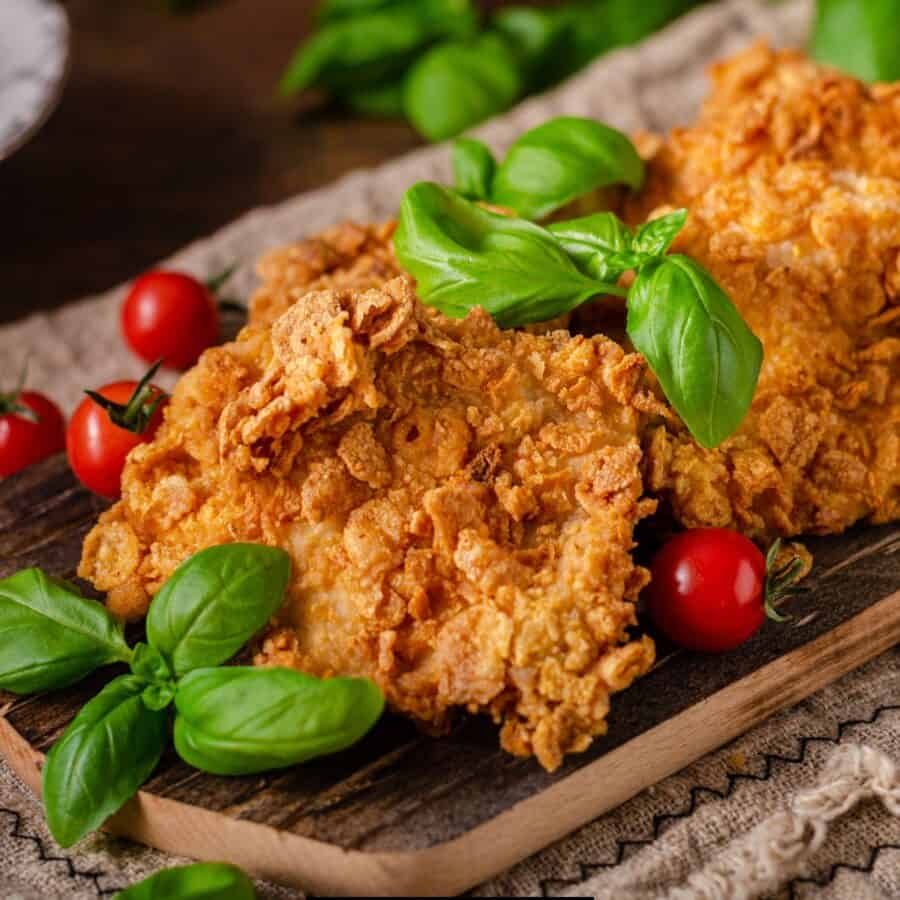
(135, 415)
(216, 283)
(9, 403)
(781, 582)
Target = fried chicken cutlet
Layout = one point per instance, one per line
(458, 502)
(791, 177)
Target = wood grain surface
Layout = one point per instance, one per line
(405, 813)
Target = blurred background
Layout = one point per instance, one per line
(171, 122)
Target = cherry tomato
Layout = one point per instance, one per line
(31, 429)
(170, 316)
(107, 426)
(712, 589)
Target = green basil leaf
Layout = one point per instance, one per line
(695, 341)
(551, 165)
(598, 26)
(383, 101)
(654, 238)
(473, 168)
(102, 759)
(463, 256)
(148, 663)
(329, 10)
(539, 39)
(600, 244)
(215, 602)
(50, 636)
(375, 46)
(861, 37)
(457, 85)
(200, 881)
(239, 720)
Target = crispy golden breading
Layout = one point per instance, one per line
(346, 256)
(458, 501)
(792, 180)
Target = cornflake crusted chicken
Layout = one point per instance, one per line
(458, 502)
(792, 181)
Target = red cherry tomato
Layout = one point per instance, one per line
(170, 316)
(25, 440)
(708, 589)
(97, 446)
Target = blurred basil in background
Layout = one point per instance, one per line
(445, 66)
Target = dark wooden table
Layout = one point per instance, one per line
(169, 127)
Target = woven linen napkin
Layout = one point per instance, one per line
(768, 814)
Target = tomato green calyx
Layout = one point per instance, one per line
(10, 404)
(780, 582)
(216, 283)
(135, 415)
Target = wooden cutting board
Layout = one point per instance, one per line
(404, 814)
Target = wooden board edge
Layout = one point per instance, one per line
(527, 827)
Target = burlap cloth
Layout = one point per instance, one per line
(767, 815)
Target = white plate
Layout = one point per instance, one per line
(34, 42)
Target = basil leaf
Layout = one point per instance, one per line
(200, 881)
(539, 39)
(383, 101)
(50, 636)
(329, 10)
(463, 256)
(374, 46)
(215, 602)
(562, 159)
(654, 238)
(102, 759)
(861, 37)
(158, 695)
(457, 85)
(473, 168)
(239, 720)
(701, 350)
(598, 26)
(600, 244)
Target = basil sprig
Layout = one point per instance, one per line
(463, 256)
(859, 36)
(227, 720)
(236, 720)
(550, 166)
(706, 358)
(199, 881)
(51, 637)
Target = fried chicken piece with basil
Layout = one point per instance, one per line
(458, 502)
(791, 177)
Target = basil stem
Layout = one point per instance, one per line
(555, 163)
(102, 759)
(199, 881)
(695, 341)
(50, 636)
(215, 602)
(239, 720)
(464, 256)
